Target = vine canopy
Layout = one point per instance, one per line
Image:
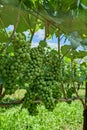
(68, 16)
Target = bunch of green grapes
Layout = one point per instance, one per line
(33, 71)
(45, 93)
(39, 92)
(35, 65)
(49, 92)
(52, 66)
(29, 102)
(13, 65)
(36, 69)
(41, 77)
(52, 77)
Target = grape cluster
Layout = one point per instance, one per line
(40, 80)
(34, 69)
(29, 102)
(12, 66)
(52, 66)
(34, 66)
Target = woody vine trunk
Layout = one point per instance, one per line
(85, 110)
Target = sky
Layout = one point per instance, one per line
(53, 42)
(39, 35)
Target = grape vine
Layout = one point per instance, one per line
(38, 70)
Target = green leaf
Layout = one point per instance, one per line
(65, 48)
(10, 2)
(2, 80)
(82, 79)
(82, 54)
(9, 14)
(23, 23)
(43, 43)
(83, 64)
(10, 49)
(75, 42)
(85, 47)
(69, 25)
(84, 41)
(3, 36)
(75, 54)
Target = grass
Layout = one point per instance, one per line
(64, 117)
(81, 92)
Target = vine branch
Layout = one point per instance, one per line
(83, 103)
(33, 29)
(15, 102)
(17, 22)
(2, 95)
(18, 102)
(64, 93)
(59, 43)
(46, 29)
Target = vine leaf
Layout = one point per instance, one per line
(82, 54)
(2, 80)
(65, 48)
(8, 15)
(43, 43)
(10, 2)
(3, 36)
(75, 42)
(10, 49)
(84, 41)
